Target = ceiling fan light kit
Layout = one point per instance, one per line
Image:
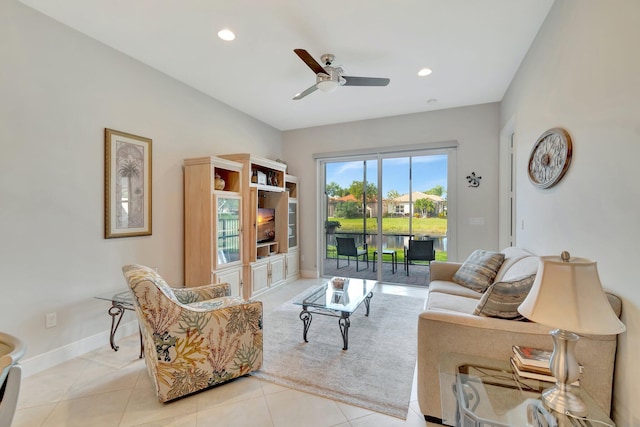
(327, 86)
(328, 78)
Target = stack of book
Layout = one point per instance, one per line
(533, 363)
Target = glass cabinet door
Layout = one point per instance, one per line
(227, 231)
(293, 224)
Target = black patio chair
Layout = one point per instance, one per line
(346, 246)
(418, 250)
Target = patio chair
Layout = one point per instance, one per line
(346, 246)
(418, 250)
(194, 338)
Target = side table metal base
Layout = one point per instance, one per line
(116, 311)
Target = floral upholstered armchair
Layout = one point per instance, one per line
(194, 338)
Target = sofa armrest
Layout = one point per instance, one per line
(202, 293)
(440, 270)
(443, 332)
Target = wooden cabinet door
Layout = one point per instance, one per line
(293, 265)
(232, 276)
(277, 270)
(259, 276)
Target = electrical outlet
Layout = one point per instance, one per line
(51, 320)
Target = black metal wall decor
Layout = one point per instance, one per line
(474, 181)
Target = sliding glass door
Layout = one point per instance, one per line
(378, 203)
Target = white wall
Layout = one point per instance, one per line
(476, 131)
(58, 91)
(582, 74)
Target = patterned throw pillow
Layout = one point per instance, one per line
(479, 270)
(503, 298)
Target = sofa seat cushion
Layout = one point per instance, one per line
(453, 303)
(503, 298)
(479, 270)
(446, 287)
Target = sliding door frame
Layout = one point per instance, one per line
(446, 147)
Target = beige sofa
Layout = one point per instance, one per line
(448, 326)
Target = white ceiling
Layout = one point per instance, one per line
(473, 46)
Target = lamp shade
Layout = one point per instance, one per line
(567, 294)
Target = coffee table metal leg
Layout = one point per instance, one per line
(367, 302)
(306, 317)
(344, 323)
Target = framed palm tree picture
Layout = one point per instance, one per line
(127, 189)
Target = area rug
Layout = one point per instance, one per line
(375, 373)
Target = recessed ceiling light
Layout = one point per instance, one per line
(424, 72)
(226, 34)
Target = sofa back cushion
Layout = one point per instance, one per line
(479, 270)
(523, 267)
(503, 298)
(511, 256)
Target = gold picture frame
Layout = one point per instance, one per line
(127, 185)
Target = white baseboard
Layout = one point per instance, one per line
(43, 361)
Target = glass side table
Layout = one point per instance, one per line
(480, 392)
(120, 301)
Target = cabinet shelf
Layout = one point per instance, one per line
(263, 187)
(266, 249)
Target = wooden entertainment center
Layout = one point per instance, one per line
(221, 238)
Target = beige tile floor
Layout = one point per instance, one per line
(104, 388)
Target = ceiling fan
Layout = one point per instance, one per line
(328, 78)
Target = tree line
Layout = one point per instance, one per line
(349, 209)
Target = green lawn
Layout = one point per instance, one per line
(428, 226)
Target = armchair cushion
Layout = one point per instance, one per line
(215, 303)
(479, 270)
(202, 293)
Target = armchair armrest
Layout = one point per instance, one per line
(202, 293)
(440, 270)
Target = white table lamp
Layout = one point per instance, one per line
(567, 295)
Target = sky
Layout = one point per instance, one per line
(428, 172)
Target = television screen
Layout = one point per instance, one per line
(266, 225)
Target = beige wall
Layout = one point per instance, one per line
(58, 91)
(475, 129)
(582, 73)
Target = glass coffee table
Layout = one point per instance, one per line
(333, 299)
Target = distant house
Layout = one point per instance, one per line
(403, 205)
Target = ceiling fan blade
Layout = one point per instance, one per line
(306, 92)
(365, 81)
(308, 59)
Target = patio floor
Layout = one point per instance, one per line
(418, 274)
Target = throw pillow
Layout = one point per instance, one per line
(479, 270)
(503, 298)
